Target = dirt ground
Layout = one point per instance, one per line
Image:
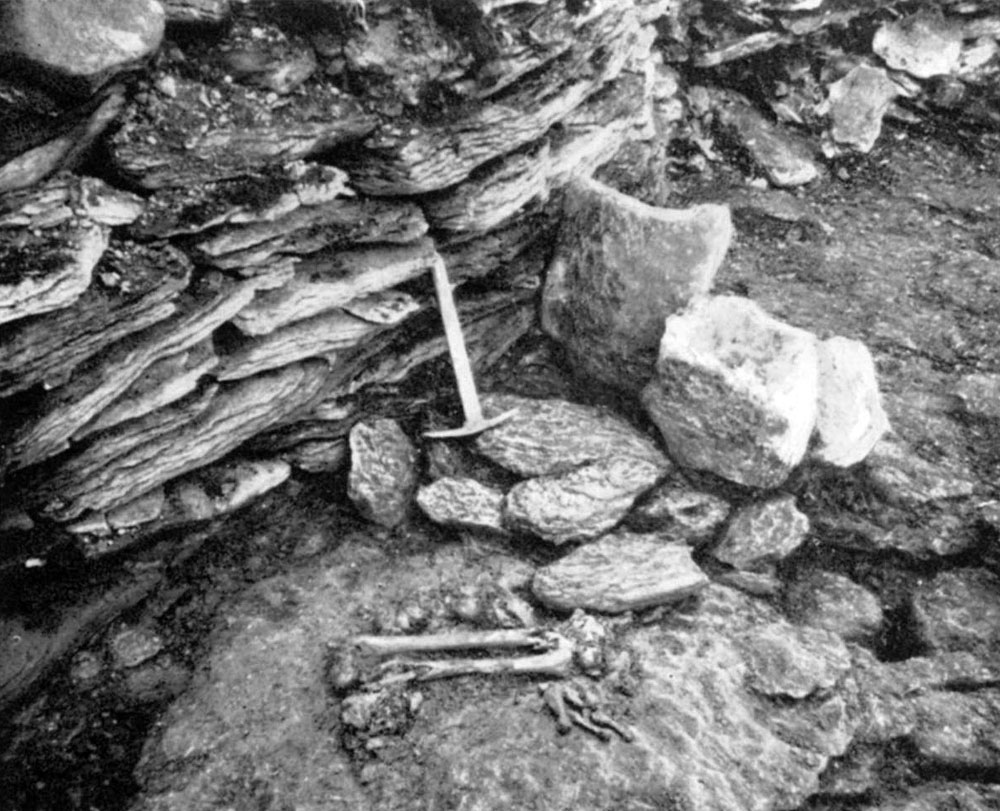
(900, 249)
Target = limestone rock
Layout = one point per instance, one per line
(47, 270)
(685, 514)
(318, 455)
(463, 503)
(620, 572)
(784, 158)
(620, 268)
(584, 503)
(134, 645)
(850, 419)
(762, 533)
(835, 603)
(78, 44)
(856, 105)
(958, 610)
(322, 284)
(553, 436)
(135, 288)
(904, 478)
(735, 391)
(137, 456)
(383, 471)
(923, 44)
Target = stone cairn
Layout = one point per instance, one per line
(217, 219)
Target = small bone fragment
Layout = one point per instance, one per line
(604, 720)
(554, 698)
(578, 718)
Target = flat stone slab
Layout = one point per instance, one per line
(735, 391)
(762, 533)
(581, 504)
(545, 437)
(620, 572)
(383, 471)
(622, 266)
(462, 502)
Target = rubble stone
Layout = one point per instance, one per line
(850, 419)
(735, 392)
(620, 268)
(383, 471)
(684, 513)
(620, 572)
(856, 105)
(923, 44)
(980, 395)
(904, 478)
(583, 503)
(958, 610)
(462, 503)
(762, 533)
(545, 437)
(836, 603)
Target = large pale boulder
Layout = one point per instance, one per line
(923, 44)
(851, 418)
(620, 268)
(78, 44)
(856, 105)
(735, 391)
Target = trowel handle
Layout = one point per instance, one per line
(456, 344)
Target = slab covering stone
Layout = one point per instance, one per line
(836, 603)
(622, 571)
(545, 437)
(850, 419)
(383, 472)
(762, 533)
(462, 502)
(735, 391)
(78, 44)
(621, 267)
(584, 503)
(958, 610)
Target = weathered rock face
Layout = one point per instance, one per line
(735, 391)
(620, 268)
